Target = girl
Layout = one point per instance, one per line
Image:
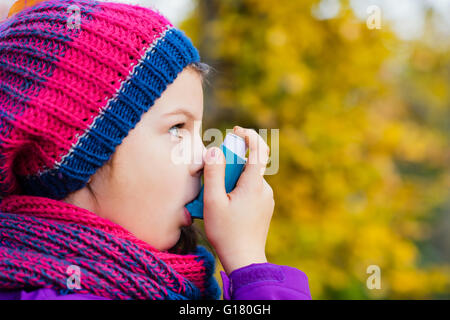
(95, 98)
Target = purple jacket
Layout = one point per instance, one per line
(258, 281)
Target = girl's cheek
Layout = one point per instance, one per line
(180, 153)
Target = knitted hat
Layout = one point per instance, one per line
(70, 91)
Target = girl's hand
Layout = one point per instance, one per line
(237, 223)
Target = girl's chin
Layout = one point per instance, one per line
(170, 244)
(170, 240)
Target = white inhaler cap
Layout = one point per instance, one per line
(236, 144)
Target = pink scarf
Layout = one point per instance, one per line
(40, 238)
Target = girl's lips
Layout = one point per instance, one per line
(188, 217)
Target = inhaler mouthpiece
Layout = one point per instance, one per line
(234, 150)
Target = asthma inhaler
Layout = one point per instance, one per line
(234, 149)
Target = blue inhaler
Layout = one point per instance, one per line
(234, 149)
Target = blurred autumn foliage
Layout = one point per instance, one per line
(364, 140)
(20, 5)
(364, 155)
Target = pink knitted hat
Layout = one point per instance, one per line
(70, 93)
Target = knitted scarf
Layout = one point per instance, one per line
(42, 239)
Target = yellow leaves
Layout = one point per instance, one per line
(276, 37)
(337, 278)
(250, 99)
(408, 282)
(20, 5)
(350, 30)
(439, 280)
(356, 203)
(363, 141)
(421, 145)
(423, 60)
(390, 136)
(379, 245)
(419, 283)
(413, 230)
(440, 90)
(292, 139)
(292, 83)
(370, 244)
(336, 186)
(405, 253)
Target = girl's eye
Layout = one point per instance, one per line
(176, 127)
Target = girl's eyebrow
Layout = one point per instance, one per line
(180, 111)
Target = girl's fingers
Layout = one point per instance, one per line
(258, 151)
(214, 177)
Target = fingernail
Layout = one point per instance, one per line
(211, 155)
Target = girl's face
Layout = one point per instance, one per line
(145, 186)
